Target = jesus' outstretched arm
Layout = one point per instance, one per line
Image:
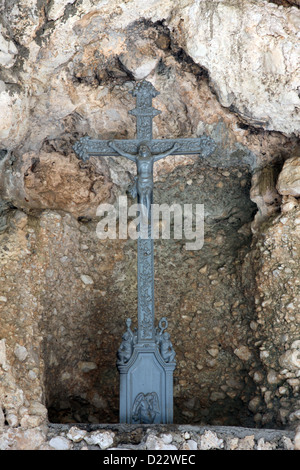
(121, 152)
(165, 154)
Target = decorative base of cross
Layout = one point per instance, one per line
(146, 377)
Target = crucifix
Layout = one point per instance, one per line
(146, 358)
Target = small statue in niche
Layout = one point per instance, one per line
(163, 340)
(145, 408)
(128, 341)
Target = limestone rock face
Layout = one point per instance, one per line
(52, 56)
(264, 193)
(288, 183)
(67, 70)
(55, 182)
(277, 303)
(140, 59)
(228, 69)
(244, 46)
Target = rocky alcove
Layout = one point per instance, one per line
(225, 69)
(201, 292)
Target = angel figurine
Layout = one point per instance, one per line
(145, 408)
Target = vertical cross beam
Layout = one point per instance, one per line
(145, 263)
(144, 112)
(144, 92)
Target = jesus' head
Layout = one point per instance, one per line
(144, 150)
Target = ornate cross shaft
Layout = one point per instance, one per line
(145, 151)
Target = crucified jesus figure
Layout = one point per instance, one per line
(144, 160)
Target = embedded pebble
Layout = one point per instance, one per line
(86, 279)
(103, 439)
(209, 440)
(21, 352)
(76, 435)
(60, 443)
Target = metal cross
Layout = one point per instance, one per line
(146, 358)
(144, 151)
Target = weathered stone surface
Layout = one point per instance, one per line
(20, 439)
(104, 439)
(8, 52)
(161, 442)
(247, 443)
(243, 352)
(77, 282)
(291, 358)
(277, 307)
(288, 183)
(264, 193)
(140, 59)
(51, 181)
(76, 435)
(82, 88)
(228, 69)
(247, 68)
(297, 441)
(209, 440)
(21, 352)
(260, 82)
(60, 443)
(64, 437)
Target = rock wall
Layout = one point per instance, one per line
(227, 69)
(162, 439)
(83, 289)
(275, 260)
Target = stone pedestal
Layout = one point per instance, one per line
(146, 387)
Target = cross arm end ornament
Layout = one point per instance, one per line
(81, 148)
(87, 147)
